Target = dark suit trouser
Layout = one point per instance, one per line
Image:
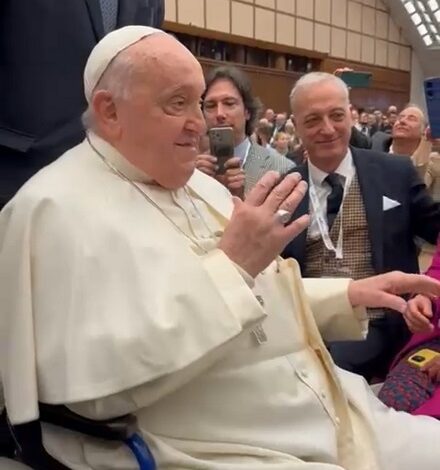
(371, 358)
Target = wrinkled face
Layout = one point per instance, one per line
(282, 142)
(409, 125)
(160, 122)
(323, 121)
(223, 106)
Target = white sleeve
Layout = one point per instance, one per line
(336, 318)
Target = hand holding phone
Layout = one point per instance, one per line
(221, 144)
(207, 164)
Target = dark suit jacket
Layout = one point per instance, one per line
(391, 232)
(359, 140)
(382, 141)
(44, 45)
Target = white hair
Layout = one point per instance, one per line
(315, 78)
(117, 79)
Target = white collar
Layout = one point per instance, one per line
(345, 169)
(118, 160)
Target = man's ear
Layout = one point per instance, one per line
(105, 113)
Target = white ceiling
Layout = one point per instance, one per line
(429, 58)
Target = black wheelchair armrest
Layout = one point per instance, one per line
(29, 441)
(30, 449)
(112, 430)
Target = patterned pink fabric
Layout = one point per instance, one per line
(432, 406)
(419, 338)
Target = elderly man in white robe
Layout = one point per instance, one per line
(133, 283)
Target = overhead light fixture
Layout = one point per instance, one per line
(410, 8)
(433, 5)
(428, 41)
(417, 19)
(425, 14)
(422, 29)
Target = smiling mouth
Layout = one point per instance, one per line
(328, 141)
(188, 145)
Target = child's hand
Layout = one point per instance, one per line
(418, 314)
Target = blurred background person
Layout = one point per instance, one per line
(281, 145)
(378, 124)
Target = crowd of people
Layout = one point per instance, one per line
(240, 317)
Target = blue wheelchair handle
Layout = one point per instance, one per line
(141, 452)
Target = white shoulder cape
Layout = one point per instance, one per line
(96, 290)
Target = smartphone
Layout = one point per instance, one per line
(432, 96)
(357, 79)
(422, 357)
(221, 144)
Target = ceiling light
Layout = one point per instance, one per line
(422, 29)
(433, 5)
(416, 18)
(428, 40)
(421, 6)
(410, 8)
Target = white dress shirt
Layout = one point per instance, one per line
(346, 170)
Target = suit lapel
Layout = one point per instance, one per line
(372, 188)
(256, 159)
(127, 12)
(297, 247)
(94, 10)
(255, 166)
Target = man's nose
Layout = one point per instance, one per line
(220, 112)
(327, 127)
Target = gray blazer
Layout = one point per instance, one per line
(260, 161)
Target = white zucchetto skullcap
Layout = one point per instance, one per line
(107, 49)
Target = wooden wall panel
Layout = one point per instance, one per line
(271, 86)
(388, 86)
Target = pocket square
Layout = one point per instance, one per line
(389, 203)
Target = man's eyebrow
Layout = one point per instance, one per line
(317, 113)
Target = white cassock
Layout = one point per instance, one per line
(107, 307)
